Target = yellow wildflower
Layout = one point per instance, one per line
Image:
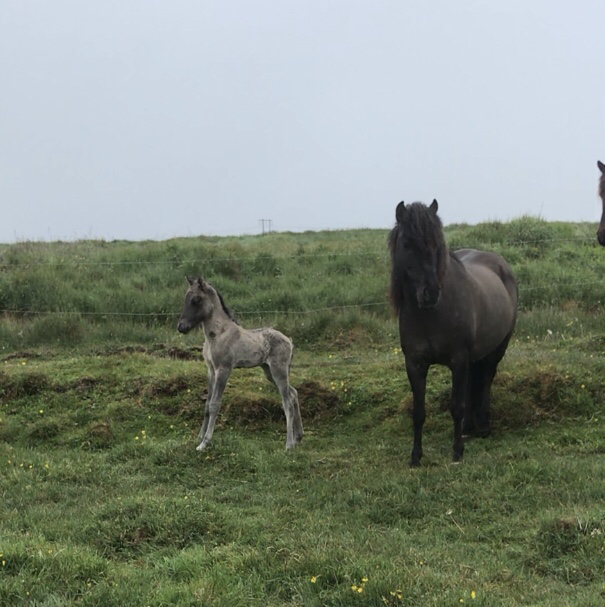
(313, 579)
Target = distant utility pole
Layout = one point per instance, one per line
(266, 226)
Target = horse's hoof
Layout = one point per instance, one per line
(201, 446)
(415, 463)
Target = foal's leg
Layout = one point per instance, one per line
(460, 378)
(279, 374)
(298, 425)
(214, 404)
(417, 372)
(204, 427)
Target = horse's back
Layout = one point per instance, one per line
(488, 266)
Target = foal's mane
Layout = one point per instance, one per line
(227, 310)
(422, 228)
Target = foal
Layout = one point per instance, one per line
(229, 346)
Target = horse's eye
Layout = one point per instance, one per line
(196, 300)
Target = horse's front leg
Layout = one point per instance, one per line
(221, 376)
(460, 379)
(417, 375)
(211, 375)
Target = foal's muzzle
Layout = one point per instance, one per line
(183, 327)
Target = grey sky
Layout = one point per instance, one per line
(153, 119)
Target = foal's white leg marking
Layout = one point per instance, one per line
(214, 406)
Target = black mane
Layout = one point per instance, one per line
(602, 187)
(423, 229)
(227, 310)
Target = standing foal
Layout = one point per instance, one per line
(229, 346)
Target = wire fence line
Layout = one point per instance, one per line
(371, 304)
(379, 253)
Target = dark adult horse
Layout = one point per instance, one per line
(456, 309)
(601, 230)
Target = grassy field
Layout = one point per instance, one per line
(104, 500)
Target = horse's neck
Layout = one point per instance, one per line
(217, 322)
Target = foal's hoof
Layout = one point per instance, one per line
(203, 445)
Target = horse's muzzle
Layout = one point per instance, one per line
(183, 327)
(428, 298)
(601, 237)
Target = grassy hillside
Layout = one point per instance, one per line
(106, 502)
(95, 293)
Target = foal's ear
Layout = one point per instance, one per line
(601, 166)
(201, 283)
(400, 211)
(190, 281)
(434, 206)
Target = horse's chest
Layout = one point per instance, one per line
(431, 338)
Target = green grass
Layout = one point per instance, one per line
(104, 500)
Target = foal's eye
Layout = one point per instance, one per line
(196, 300)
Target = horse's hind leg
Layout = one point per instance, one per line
(298, 425)
(481, 410)
(475, 392)
(289, 396)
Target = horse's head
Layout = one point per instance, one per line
(418, 253)
(601, 230)
(198, 304)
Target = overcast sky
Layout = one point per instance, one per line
(154, 119)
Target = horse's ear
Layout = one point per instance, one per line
(601, 166)
(201, 283)
(434, 206)
(400, 211)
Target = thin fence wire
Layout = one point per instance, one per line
(378, 254)
(371, 304)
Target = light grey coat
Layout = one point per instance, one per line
(229, 346)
